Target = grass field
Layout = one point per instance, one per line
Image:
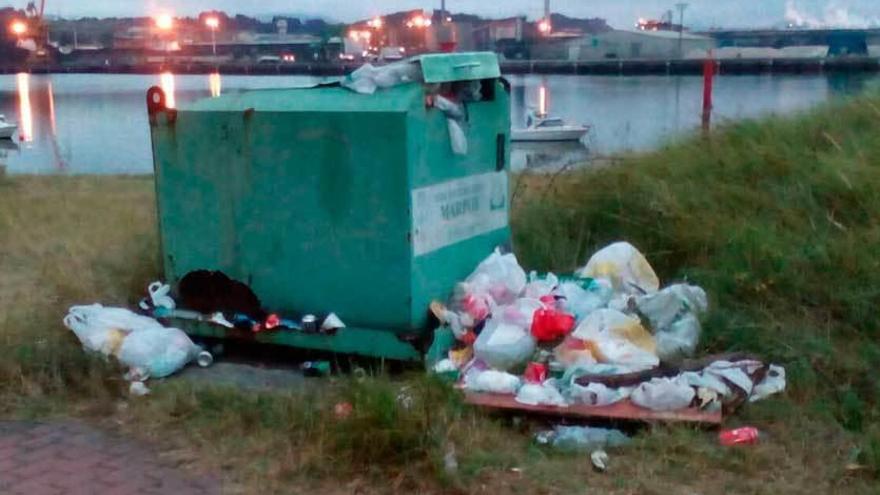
(779, 220)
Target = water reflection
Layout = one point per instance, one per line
(7, 146)
(544, 156)
(215, 83)
(25, 113)
(166, 80)
(548, 157)
(98, 123)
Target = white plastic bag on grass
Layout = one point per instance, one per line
(101, 329)
(663, 394)
(597, 394)
(625, 267)
(492, 381)
(541, 394)
(157, 352)
(674, 313)
(773, 383)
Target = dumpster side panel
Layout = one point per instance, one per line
(308, 208)
(460, 202)
(197, 212)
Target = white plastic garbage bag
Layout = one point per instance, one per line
(597, 394)
(504, 345)
(101, 329)
(625, 267)
(455, 119)
(539, 287)
(674, 315)
(498, 276)
(496, 382)
(581, 302)
(773, 383)
(157, 352)
(541, 394)
(367, 78)
(617, 338)
(139, 342)
(663, 394)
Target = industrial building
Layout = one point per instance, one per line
(623, 44)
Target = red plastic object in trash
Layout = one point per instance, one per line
(535, 373)
(740, 436)
(476, 306)
(550, 324)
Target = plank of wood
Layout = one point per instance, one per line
(624, 410)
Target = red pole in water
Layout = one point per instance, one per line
(709, 68)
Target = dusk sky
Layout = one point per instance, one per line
(620, 13)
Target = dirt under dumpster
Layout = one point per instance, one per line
(367, 198)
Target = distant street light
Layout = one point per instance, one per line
(544, 26)
(18, 28)
(164, 22)
(213, 23)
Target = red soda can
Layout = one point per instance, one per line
(536, 373)
(740, 436)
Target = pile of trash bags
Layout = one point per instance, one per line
(596, 337)
(140, 343)
(149, 349)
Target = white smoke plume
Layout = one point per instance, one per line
(834, 15)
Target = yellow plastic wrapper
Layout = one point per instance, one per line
(625, 267)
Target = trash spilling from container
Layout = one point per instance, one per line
(607, 341)
(143, 345)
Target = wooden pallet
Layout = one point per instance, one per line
(623, 410)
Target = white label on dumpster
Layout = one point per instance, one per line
(450, 212)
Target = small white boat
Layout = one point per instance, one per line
(546, 128)
(7, 129)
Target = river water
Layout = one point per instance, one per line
(97, 124)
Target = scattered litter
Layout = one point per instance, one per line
(748, 435)
(205, 359)
(343, 410)
(673, 314)
(368, 78)
(600, 459)
(445, 366)
(331, 323)
(663, 394)
(138, 389)
(582, 438)
(773, 383)
(157, 352)
(497, 382)
(142, 344)
(504, 345)
(540, 394)
(315, 368)
(625, 267)
(450, 460)
(159, 295)
(592, 343)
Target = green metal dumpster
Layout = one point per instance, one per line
(326, 200)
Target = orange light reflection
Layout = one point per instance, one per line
(166, 81)
(215, 83)
(25, 117)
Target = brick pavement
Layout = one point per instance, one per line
(68, 458)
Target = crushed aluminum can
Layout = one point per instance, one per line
(309, 323)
